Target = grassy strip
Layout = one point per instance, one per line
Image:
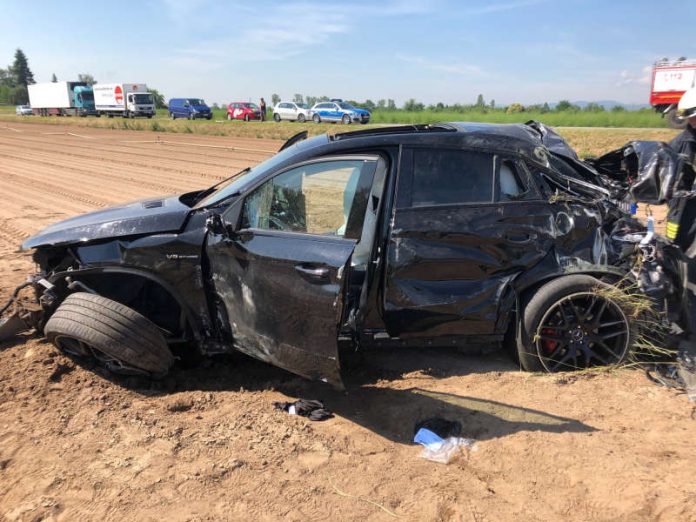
(586, 141)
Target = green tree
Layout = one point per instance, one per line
(86, 78)
(298, 98)
(20, 69)
(369, 105)
(492, 105)
(593, 107)
(159, 99)
(54, 78)
(618, 108)
(413, 106)
(480, 103)
(565, 105)
(381, 104)
(311, 100)
(545, 108)
(275, 99)
(391, 105)
(6, 78)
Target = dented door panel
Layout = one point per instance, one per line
(448, 269)
(283, 297)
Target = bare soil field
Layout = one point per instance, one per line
(207, 444)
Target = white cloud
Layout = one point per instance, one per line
(454, 68)
(504, 6)
(627, 77)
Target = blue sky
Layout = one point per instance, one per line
(524, 51)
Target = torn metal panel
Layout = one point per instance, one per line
(650, 170)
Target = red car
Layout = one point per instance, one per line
(243, 111)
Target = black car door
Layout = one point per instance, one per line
(465, 224)
(281, 271)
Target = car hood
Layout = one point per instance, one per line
(360, 111)
(201, 108)
(147, 216)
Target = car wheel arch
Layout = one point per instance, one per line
(108, 275)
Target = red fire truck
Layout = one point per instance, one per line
(670, 79)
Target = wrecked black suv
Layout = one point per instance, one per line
(428, 235)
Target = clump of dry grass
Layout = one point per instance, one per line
(650, 330)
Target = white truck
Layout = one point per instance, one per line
(128, 100)
(61, 99)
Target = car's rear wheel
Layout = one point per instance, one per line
(316, 118)
(345, 120)
(301, 118)
(114, 336)
(570, 323)
(276, 117)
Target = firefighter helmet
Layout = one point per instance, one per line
(687, 104)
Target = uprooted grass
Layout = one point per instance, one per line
(651, 332)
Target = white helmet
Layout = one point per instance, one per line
(687, 104)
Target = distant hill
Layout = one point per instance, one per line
(609, 104)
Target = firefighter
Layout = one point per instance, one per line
(681, 218)
(685, 142)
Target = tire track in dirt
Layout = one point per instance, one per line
(133, 183)
(91, 163)
(182, 152)
(52, 188)
(162, 166)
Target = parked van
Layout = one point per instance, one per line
(190, 108)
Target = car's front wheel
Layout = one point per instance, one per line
(316, 118)
(229, 116)
(345, 120)
(573, 323)
(117, 337)
(301, 118)
(276, 117)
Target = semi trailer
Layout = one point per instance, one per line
(62, 99)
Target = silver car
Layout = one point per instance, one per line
(23, 110)
(291, 111)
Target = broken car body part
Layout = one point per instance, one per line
(426, 235)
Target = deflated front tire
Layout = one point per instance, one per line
(115, 336)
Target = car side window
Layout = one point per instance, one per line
(511, 185)
(447, 177)
(322, 198)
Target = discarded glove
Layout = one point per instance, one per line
(312, 409)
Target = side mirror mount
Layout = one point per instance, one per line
(215, 225)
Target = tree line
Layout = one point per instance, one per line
(480, 106)
(16, 77)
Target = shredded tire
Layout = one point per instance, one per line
(112, 329)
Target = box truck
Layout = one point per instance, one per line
(62, 99)
(128, 100)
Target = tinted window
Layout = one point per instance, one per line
(326, 198)
(446, 177)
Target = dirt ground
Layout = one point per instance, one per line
(207, 444)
